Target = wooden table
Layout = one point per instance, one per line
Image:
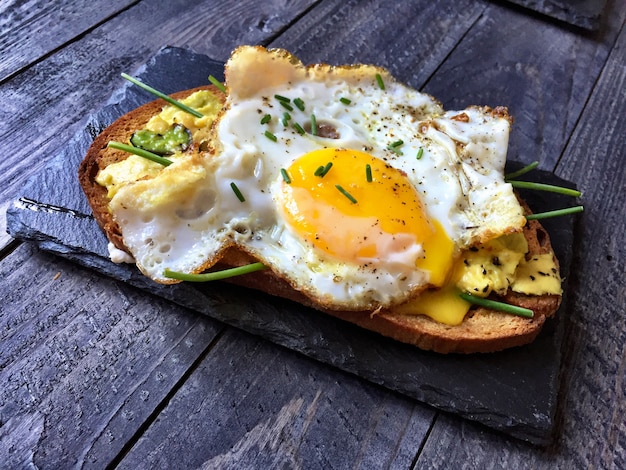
(96, 373)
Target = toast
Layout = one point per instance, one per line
(482, 329)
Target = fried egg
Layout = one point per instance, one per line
(356, 189)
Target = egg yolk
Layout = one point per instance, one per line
(356, 207)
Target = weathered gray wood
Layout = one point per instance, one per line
(592, 431)
(252, 405)
(540, 71)
(46, 104)
(31, 29)
(84, 360)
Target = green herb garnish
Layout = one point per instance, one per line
(270, 136)
(313, 125)
(282, 98)
(237, 192)
(299, 104)
(500, 306)
(420, 153)
(286, 105)
(368, 173)
(346, 193)
(216, 275)
(267, 118)
(345, 101)
(286, 118)
(170, 100)
(299, 128)
(380, 82)
(555, 213)
(140, 152)
(522, 171)
(395, 147)
(323, 169)
(285, 175)
(545, 187)
(217, 83)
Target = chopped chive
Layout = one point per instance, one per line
(286, 118)
(522, 171)
(237, 192)
(500, 306)
(217, 83)
(380, 82)
(140, 152)
(346, 193)
(555, 213)
(163, 96)
(368, 173)
(397, 143)
(270, 136)
(323, 169)
(420, 152)
(313, 125)
(285, 175)
(299, 104)
(267, 118)
(327, 168)
(545, 187)
(395, 147)
(286, 105)
(319, 171)
(283, 99)
(345, 101)
(216, 275)
(299, 128)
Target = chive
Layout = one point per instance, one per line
(140, 152)
(271, 136)
(285, 175)
(380, 82)
(286, 105)
(545, 187)
(267, 118)
(522, 171)
(217, 83)
(500, 306)
(420, 152)
(323, 169)
(319, 171)
(345, 101)
(313, 125)
(368, 173)
(299, 104)
(170, 100)
(556, 213)
(286, 118)
(215, 275)
(346, 193)
(299, 128)
(395, 147)
(237, 192)
(283, 99)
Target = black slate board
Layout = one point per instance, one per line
(514, 391)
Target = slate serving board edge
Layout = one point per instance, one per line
(514, 391)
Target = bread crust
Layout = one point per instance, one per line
(482, 330)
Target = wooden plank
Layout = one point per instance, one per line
(81, 77)
(592, 433)
(410, 39)
(253, 405)
(84, 360)
(31, 29)
(542, 72)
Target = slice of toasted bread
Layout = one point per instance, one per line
(482, 330)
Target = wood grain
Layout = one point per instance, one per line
(252, 405)
(49, 101)
(84, 360)
(31, 30)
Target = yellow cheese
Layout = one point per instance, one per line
(443, 305)
(538, 276)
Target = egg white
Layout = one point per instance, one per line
(184, 218)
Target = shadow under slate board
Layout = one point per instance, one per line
(514, 391)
